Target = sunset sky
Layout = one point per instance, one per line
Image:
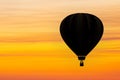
(31, 47)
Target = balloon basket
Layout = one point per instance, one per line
(81, 63)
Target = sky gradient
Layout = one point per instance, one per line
(31, 47)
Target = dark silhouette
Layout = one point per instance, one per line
(81, 32)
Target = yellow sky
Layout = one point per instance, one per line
(31, 46)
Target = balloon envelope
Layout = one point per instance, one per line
(81, 32)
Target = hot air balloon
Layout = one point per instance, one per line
(81, 32)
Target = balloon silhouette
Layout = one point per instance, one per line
(81, 32)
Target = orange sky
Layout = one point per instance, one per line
(27, 19)
(31, 47)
